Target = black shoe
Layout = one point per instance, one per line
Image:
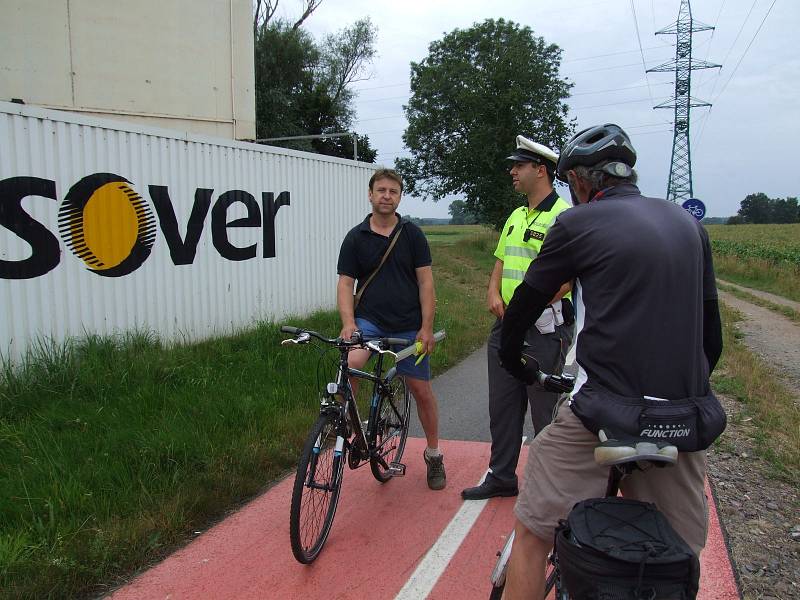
(489, 489)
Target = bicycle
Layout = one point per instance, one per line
(339, 436)
(619, 467)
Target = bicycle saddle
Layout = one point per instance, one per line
(616, 449)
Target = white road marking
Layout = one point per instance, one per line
(433, 564)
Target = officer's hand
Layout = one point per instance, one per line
(494, 302)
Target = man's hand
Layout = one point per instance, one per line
(425, 337)
(347, 331)
(526, 372)
(494, 302)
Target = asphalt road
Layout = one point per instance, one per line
(463, 395)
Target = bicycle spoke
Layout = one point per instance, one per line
(392, 430)
(316, 490)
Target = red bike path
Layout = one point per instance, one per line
(396, 540)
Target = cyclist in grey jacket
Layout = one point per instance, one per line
(647, 326)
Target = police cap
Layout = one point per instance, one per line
(528, 151)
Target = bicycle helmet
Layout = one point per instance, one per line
(606, 147)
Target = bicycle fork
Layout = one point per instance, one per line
(338, 455)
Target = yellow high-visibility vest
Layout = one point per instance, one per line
(522, 238)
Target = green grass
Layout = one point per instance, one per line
(766, 257)
(113, 450)
(742, 375)
(450, 234)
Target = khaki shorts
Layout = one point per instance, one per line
(561, 471)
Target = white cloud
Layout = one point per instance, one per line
(745, 142)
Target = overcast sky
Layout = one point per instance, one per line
(743, 144)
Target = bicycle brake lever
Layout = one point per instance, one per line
(300, 339)
(375, 347)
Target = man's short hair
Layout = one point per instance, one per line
(386, 174)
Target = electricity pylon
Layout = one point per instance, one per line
(679, 187)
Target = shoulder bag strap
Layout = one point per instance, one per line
(357, 297)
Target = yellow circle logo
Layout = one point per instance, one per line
(107, 224)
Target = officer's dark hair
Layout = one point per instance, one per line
(551, 171)
(600, 179)
(386, 174)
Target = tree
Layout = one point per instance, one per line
(459, 214)
(785, 211)
(759, 208)
(474, 92)
(264, 10)
(756, 208)
(302, 87)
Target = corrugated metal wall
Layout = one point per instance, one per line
(212, 294)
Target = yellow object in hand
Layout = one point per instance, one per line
(419, 352)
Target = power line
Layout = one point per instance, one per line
(746, 49)
(630, 87)
(641, 52)
(406, 83)
(612, 104)
(736, 39)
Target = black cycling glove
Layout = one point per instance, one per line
(521, 313)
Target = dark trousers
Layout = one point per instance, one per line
(509, 397)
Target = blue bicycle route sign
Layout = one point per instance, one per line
(695, 207)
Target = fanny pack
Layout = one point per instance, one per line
(689, 424)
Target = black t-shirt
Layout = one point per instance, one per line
(391, 300)
(643, 270)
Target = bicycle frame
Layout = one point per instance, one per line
(364, 440)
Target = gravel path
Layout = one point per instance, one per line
(761, 516)
(764, 295)
(773, 337)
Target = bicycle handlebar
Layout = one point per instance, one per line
(360, 341)
(559, 384)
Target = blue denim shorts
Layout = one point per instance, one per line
(405, 367)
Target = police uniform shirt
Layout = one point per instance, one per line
(521, 240)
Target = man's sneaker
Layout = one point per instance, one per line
(436, 475)
(489, 489)
(617, 449)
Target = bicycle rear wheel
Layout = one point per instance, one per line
(501, 570)
(553, 588)
(391, 430)
(316, 489)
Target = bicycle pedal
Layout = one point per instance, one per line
(396, 469)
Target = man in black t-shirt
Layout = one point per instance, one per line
(647, 327)
(399, 300)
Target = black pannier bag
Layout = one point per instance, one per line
(620, 549)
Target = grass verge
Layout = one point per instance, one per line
(757, 300)
(742, 375)
(781, 279)
(113, 450)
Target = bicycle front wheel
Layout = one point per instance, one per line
(391, 429)
(316, 489)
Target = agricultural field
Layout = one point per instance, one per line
(450, 234)
(776, 243)
(765, 257)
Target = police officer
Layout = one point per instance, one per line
(532, 174)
